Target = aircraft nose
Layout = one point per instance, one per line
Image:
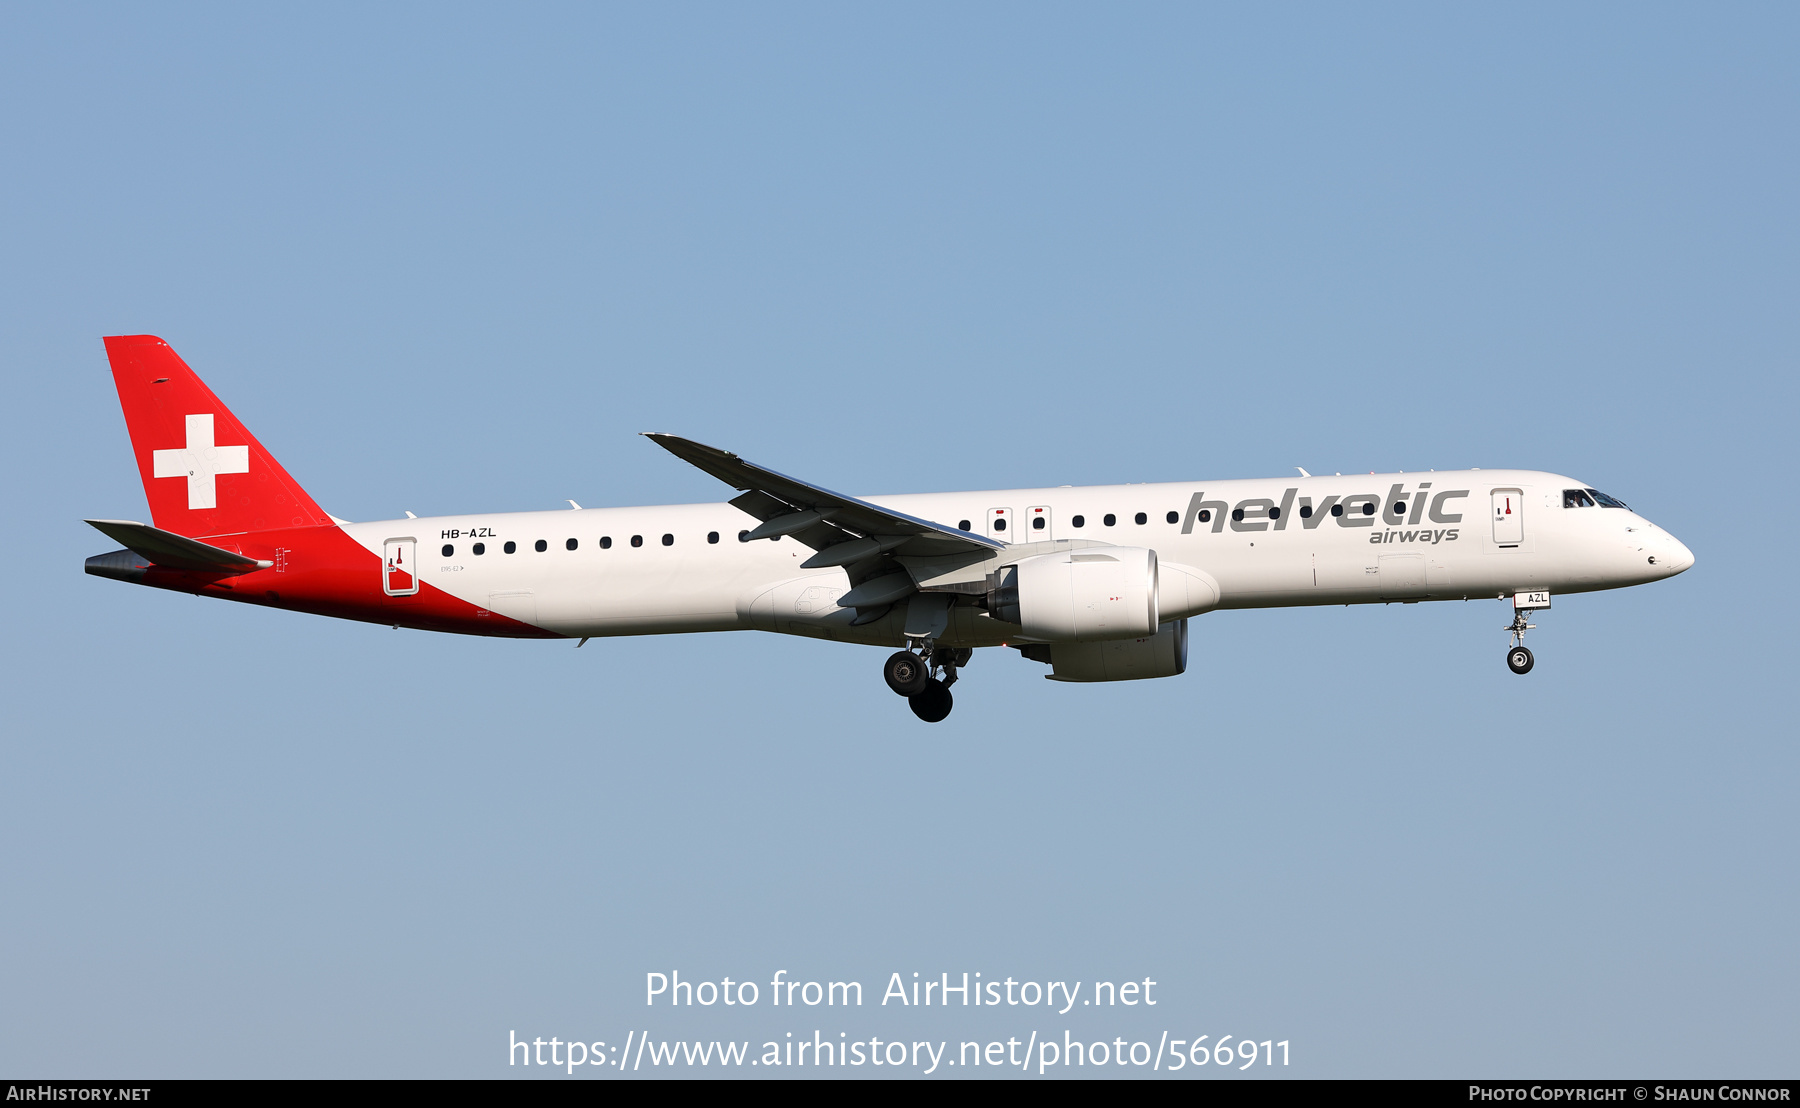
(1678, 556)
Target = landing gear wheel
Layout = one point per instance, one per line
(906, 673)
(932, 703)
(1519, 660)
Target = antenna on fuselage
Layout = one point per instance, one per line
(1303, 473)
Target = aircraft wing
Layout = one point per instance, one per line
(844, 530)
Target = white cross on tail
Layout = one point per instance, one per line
(200, 462)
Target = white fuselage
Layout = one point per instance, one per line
(1459, 535)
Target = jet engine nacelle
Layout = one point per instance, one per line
(1163, 654)
(1091, 594)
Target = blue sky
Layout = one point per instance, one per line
(452, 258)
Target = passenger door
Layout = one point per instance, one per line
(399, 573)
(1509, 517)
(1037, 524)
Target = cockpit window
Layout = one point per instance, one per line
(1577, 498)
(1607, 501)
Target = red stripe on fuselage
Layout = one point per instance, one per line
(324, 571)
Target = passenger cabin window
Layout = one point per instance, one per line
(1577, 498)
(571, 544)
(1174, 517)
(478, 549)
(1078, 521)
(1274, 513)
(1205, 515)
(540, 546)
(1337, 509)
(1109, 519)
(1306, 511)
(449, 550)
(637, 540)
(1607, 501)
(1141, 519)
(511, 548)
(668, 540)
(606, 542)
(712, 536)
(744, 536)
(962, 525)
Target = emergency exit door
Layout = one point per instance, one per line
(399, 574)
(1002, 525)
(1509, 517)
(1036, 524)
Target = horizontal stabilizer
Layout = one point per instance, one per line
(167, 549)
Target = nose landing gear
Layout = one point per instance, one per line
(925, 677)
(1519, 659)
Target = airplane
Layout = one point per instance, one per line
(1096, 582)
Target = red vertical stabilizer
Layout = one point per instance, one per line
(204, 474)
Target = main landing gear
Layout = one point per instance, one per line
(914, 675)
